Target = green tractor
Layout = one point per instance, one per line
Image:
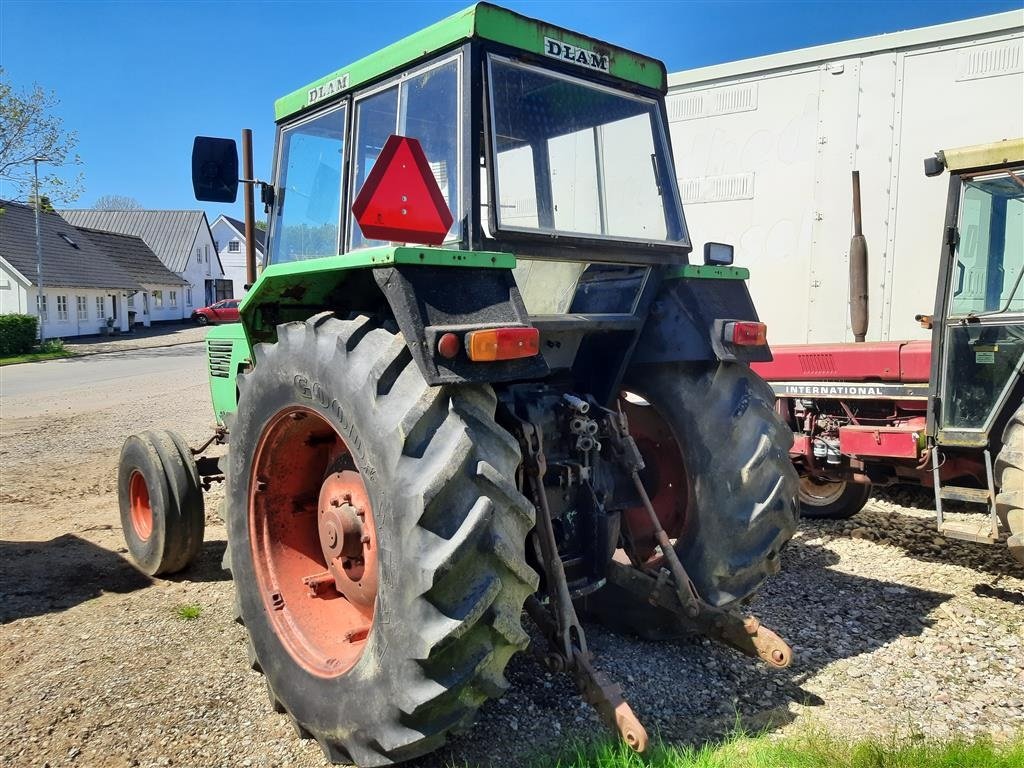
(478, 374)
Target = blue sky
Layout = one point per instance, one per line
(137, 80)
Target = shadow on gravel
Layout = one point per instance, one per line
(693, 691)
(918, 537)
(206, 566)
(41, 577)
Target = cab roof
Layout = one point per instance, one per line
(489, 22)
(1006, 152)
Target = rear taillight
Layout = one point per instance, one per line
(745, 334)
(502, 344)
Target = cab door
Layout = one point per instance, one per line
(978, 336)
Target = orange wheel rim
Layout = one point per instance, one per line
(314, 542)
(664, 476)
(141, 508)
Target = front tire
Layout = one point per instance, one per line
(449, 532)
(832, 499)
(201, 320)
(160, 501)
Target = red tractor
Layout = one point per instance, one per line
(946, 413)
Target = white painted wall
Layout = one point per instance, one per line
(202, 266)
(93, 319)
(14, 293)
(233, 261)
(764, 160)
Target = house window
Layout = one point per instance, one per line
(172, 298)
(101, 311)
(158, 299)
(41, 306)
(62, 307)
(188, 296)
(131, 301)
(83, 307)
(206, 251)
(199, 256)
(233, 246)
(216, 245)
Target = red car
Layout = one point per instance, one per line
(222, 312)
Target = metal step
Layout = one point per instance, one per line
(973, 495)
(980, 531)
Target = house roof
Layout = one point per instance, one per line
(134, 257)
(70, 257)
(239, 226)
(169, 234)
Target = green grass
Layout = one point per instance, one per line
(49, 350)
(189, 611)
(812, 749)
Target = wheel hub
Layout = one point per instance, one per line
(345, 539)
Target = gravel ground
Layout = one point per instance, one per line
(895, 630)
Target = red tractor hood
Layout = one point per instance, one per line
(897, 361)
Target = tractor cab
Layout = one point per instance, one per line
(978, 323)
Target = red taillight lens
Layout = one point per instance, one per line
(502, 344)
(746, 334)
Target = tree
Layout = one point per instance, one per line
(29, 129)
(261, 224)
(116, 203)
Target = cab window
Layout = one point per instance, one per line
(307, 213)
(423, 106)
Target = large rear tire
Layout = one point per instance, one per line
(448, 540)
(720, 479)
(1009, 478)
(832, 500)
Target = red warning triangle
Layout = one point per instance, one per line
(400, 200)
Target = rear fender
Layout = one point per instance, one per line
(689, 313)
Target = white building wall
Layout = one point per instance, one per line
(14, 294)
(92, 320)
(202, 266)
(764, 161)
(233, 261)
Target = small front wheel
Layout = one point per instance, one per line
(201, 320)
(832, 499)
(161, 502)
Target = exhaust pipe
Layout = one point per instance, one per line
(858, 269)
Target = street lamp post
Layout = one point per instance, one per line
(39, 250)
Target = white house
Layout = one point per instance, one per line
(162, 293)
(229, 239)
(182, 241)
(84, 289)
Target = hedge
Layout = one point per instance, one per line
(18, 334)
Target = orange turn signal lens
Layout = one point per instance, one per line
(746, 334)
(502, 344)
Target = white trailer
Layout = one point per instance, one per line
(765, 148)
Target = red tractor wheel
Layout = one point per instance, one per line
(161, 502)
(376, 539)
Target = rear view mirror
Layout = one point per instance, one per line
(718, 254)
(215, 169)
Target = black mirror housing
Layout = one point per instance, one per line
(215, 169)
(933, 166)
(718, 254)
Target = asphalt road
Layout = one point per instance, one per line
(110, 371)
